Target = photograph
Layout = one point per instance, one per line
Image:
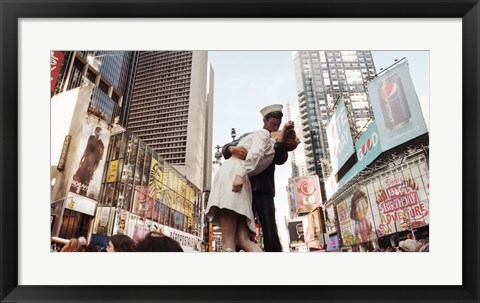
(349, 127)
(237, 152)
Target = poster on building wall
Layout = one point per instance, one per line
(150, 207)
(307, 194)
(104, 215)
(168, 198)
(296, 233)
(340, 143)
(132, 222)
(367, 148)
(396, 107)
(402, 201)
(155, 185)
(89, 160)
(330, 220)
(292, 197)
(140, 199)
(355, 218)
(112, 171)
(140, 230)
(121, 219)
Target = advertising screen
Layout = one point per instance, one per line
(340, 143)
(89, 160)
(401, 200)
(396, 107)
(355, 218)
(307, 193)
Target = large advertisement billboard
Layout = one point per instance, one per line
(401, 200)
(396, 107)
(368, 148)
(89, 159)
(356, 218)
(56, 61)
(340, 143)
(306, 193)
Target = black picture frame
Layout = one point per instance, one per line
(12, 11)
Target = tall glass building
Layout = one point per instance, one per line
(322, 78)
(111, 72)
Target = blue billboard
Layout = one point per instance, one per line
(396, 107)
(368, 148)
(340, 143)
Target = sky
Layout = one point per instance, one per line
(247, 81)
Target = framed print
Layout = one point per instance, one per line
(30, 30)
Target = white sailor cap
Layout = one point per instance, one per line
(271, 108)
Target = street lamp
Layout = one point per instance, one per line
(218, 154)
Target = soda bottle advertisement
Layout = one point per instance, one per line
(396, 106)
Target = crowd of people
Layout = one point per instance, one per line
(407, 245)
(152, 242)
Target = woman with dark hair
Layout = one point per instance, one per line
(120, 243)
(230, 201)
(158, 242)
(358, 212)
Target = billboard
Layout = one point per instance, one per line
(340, 143)
(307, 194)
(89, 159)
(333, 244)
(356, 218)
(56, 60)
(296, 233)
(330, 220)
(401, 200)
(368, 148)
(396, 107)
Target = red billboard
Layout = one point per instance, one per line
(56, 60)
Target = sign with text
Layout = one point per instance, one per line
(340, 143)
(396, 107)
(401, 202)
(307, 193)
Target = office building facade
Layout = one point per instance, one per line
(171, 108)
(110, 72)
(323, 77)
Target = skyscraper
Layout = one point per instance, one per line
(322, 78)
(171, 110)
(111, 72)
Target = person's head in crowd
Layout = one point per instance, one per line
(72, 246)
(91, 248)
(158, 242)
(82, 241)
(409, 245)
(120, 243)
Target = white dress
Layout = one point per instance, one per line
(259, 157)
